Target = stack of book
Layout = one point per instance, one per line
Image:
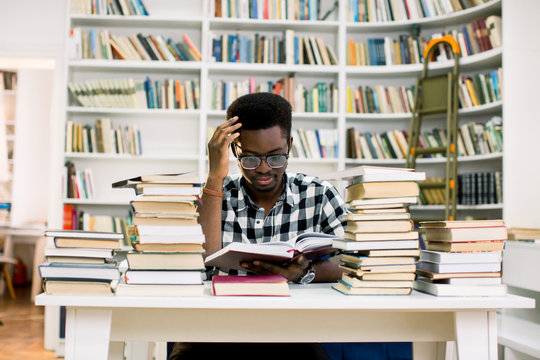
(167, 259)
(463, 258)
(81, 262)
(380, 246)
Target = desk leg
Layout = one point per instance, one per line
(87, 333)
(476, 335)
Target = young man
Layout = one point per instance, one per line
(264, 203)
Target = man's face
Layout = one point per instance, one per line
(263, 143)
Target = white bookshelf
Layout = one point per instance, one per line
(175, 140)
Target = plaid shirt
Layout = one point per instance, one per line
(307, 205)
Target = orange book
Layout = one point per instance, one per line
(182, 96)
(352, 53)
(192, 47)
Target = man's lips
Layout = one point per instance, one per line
(263, 181)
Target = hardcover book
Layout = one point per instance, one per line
(312, 245)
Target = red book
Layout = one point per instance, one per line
(252, 285)
(68, 217)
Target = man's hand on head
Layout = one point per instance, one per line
(292, 271)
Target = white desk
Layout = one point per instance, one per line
(315, 313)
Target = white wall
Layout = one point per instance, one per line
(521, 115)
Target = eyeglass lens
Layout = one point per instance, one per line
(273, 161)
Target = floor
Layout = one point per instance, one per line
(21, 332)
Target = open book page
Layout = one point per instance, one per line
(313, 245)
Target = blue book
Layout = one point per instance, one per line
(255, 9)
(177, 50)
(147, 90)
(296, 50)
(233, 48)
(425, 8)
(467, 40)
(141, 6)
(76, 271)
(372, 48)
(249, 47)
(140, 142)
(495, 80)
(225, 95)
(93, 43)
(216, 49)
(302, 6)
(322, 151)
(370, 145)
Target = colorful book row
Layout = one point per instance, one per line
(103, 137)
(380, 99)
(315, 144)
(79, 184)
(267, 9)
(401, 10)
(407, 49)
(264, 49)
(130, 93)
(322, 97)
(109, 7)
(480, 89)
(95, 44)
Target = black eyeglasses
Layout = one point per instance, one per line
(251, 162)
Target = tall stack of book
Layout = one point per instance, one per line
(81, 262)
(463, 258)
(380, 246)
(167, 259)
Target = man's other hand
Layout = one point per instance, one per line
(292, 271)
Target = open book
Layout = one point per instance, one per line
(312, 245)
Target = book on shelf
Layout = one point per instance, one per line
(250, 285)
(79, 252)
(352, 245)
(161, 290)
(163, 277)
(442, 257)
(389, 253)
(360, 217)
(524, 234)
(350, 290)
(466, 234)
(459, 290)
(148, 260)
(68, 287)
(379, 226)
(378, 275)
(354, 258)
(440, 276)
(380, 236)
(79, 271)
(360, 283)
(473, 246)
(374, 190)
(169, 247)
(460, 267)
(311, 245)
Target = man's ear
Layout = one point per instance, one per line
(290, 144)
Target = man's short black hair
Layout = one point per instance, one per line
(262, 111)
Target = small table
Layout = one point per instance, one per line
(313, 313)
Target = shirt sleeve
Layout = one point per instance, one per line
(333, 209)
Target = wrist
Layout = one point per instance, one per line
(214, 183)
(308, 276)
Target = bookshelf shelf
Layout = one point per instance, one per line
(132, 111)
(490, 108)
(99, 156)
(430, 22)
(245, 68)
(97, 202)
(478, 61)
(136, 21)
(131, 65)
(272, 25)
(442, 160)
